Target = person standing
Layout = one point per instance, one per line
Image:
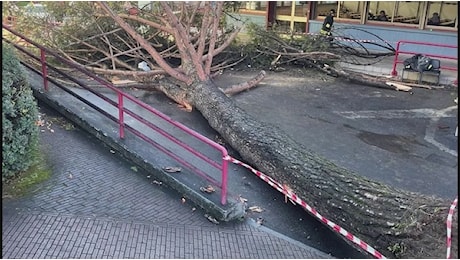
(327, 24)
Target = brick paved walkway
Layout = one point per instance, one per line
(96, 205)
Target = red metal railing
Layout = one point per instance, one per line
(122, 110)
(399, 51)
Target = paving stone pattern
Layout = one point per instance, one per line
(96, 205)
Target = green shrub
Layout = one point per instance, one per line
(19, 114)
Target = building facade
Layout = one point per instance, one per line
(405, 20)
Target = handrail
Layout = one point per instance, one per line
(122, 110)
(399, 51)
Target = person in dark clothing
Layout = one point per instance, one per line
(382, 16)
(327, 24)
(434, 20)
(370, 16)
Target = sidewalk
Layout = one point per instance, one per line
(96, 206)
(385, 66)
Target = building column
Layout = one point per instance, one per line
(270, 14)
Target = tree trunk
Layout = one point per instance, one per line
(395, 222)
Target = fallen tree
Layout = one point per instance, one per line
(398, 223)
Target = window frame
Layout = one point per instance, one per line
(423, 9)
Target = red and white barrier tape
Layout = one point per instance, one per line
(449, 226)
(361, 41)
(293, 197)
(354, 40)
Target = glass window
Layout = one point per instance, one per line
(252, 6)
(408, 12)
(284, 26)
(404, 13)
(350, 9)
(323, 7)
(442, 14)
(381, 11)
(300, 27)
(285, 8)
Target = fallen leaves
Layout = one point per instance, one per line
(40, 122)
(211, 218)
(259, 221)
(171, 169)
(44, 121)
(243, 200)
(255, 209)
(208, 189)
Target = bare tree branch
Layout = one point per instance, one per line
(225, 44)
(127, 73)
(204, 29)
(95, 36)
(192, 16)
(245, 85)
(147, 22)
(107, 41)
(115, 55)
(213, 38)
(181, 35)
(155, 55)
(108, 55)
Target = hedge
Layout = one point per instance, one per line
(19, 116)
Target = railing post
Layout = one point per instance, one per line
(121, 116)
(44, 70)
(223, 195)
(395, 61)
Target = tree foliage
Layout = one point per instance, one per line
(272, 48)
(19, 114)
